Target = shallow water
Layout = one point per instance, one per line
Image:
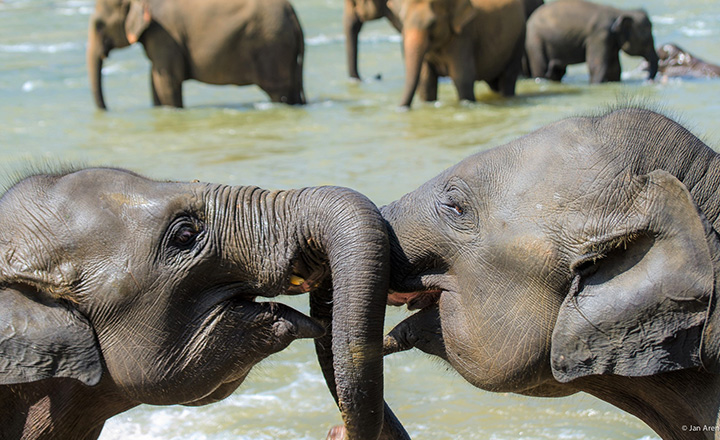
(350, 134)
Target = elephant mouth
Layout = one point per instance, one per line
(421, 291)
(281, 319)
(414, 300)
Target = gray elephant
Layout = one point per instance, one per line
(581, 257)
(238, 42)
(355, 13)
(467, 40)
(568, 32)
(116, 290)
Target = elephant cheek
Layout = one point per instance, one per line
(492, 350)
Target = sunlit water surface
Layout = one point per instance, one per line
(351, 135)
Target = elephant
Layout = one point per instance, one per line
(677, 62)
(582, 257)
(467, 40)
(568, 32)
(239, 42)
(117, 290)
(355, 13)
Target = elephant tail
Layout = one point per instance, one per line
(298, 74)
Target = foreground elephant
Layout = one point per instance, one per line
(581, 257)
(117, 290)
(355, 13)
(568, 32)
(467, 40)
(237, 42)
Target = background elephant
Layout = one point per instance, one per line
(117, 290)
(676, 61)
(581, 257)
(568, 32)
(467, 40)
(237, 42)
(355, 13)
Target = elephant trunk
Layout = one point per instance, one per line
(352, 234)
(415, 44)
(95, 54)
(340, 229)
(652, 59)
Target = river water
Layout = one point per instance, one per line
(351, 135)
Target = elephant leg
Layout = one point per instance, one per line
(613, 69)
(506, 81)
(352, 25)
(279, 80)
(555, 70)
(167, 88)
(153, 90)
(462, 70)
(428, 86)
(168, 67)
(603, 65)
(537, 60)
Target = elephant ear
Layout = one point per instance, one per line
(137, 20)
(42, 339)
(641, 293)
(463, 12)
(621, 27)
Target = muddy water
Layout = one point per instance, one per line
(350, 134)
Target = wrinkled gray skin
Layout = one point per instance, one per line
(259, 42)
(568, 32)
(581, 257)
(355, 13)
(116, 290)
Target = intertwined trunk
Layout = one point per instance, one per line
(277, 233)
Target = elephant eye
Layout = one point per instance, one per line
(457, 209)
(185, 233)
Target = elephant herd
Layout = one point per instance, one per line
(261, 42)
(117, 290)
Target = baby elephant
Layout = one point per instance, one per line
(582, 257)
(575, 31)
(237, 42)
(117, 290)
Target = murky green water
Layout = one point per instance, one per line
(351, 135)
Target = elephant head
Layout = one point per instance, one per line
(114, 24)
(573, 255)
(427, 24)
(633, 32)
(117, 290)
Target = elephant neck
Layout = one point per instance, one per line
(58, 408)
(681, 404)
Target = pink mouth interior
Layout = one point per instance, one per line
(414, 300)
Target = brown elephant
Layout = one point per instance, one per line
(118, 290)
(467, 40)
(355, 13)
(676, 61)
(238, 42)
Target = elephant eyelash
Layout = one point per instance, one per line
(454, 207)
(184, 233)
